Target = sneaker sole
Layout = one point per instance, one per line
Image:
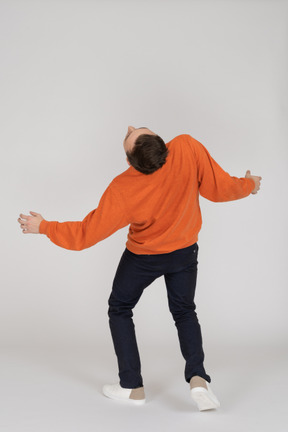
(203, 399)
(130, 401)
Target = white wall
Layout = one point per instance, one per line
(74, 75)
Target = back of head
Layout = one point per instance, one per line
(148, 154)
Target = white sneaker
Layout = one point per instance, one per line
(202, 395)
(116, 392)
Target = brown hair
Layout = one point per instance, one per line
(148, 154)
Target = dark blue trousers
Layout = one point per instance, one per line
(133, 275)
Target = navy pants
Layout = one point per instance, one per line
(135, 273)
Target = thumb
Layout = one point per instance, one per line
(34, 213)
(248, 172)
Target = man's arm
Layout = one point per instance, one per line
(107, 218)
(216, 184)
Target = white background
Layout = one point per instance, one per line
(74, 75)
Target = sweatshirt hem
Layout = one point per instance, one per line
(145, 251)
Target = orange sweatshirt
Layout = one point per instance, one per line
(162, 208)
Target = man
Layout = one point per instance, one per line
(158, 195)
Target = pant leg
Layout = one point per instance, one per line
(181, 287)
(133, 275)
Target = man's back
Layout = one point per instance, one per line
(163, 207)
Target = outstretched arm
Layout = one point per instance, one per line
(108, 217)
(216, 184)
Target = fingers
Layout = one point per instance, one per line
(28, 217)
(23, 225)
(248, 173)
(22, 221)
(30, 223)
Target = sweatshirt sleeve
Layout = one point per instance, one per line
(107, 218)
(215, 184)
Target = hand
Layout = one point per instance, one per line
(30, 224)
(256, 181)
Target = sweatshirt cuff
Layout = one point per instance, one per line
(43, 227)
